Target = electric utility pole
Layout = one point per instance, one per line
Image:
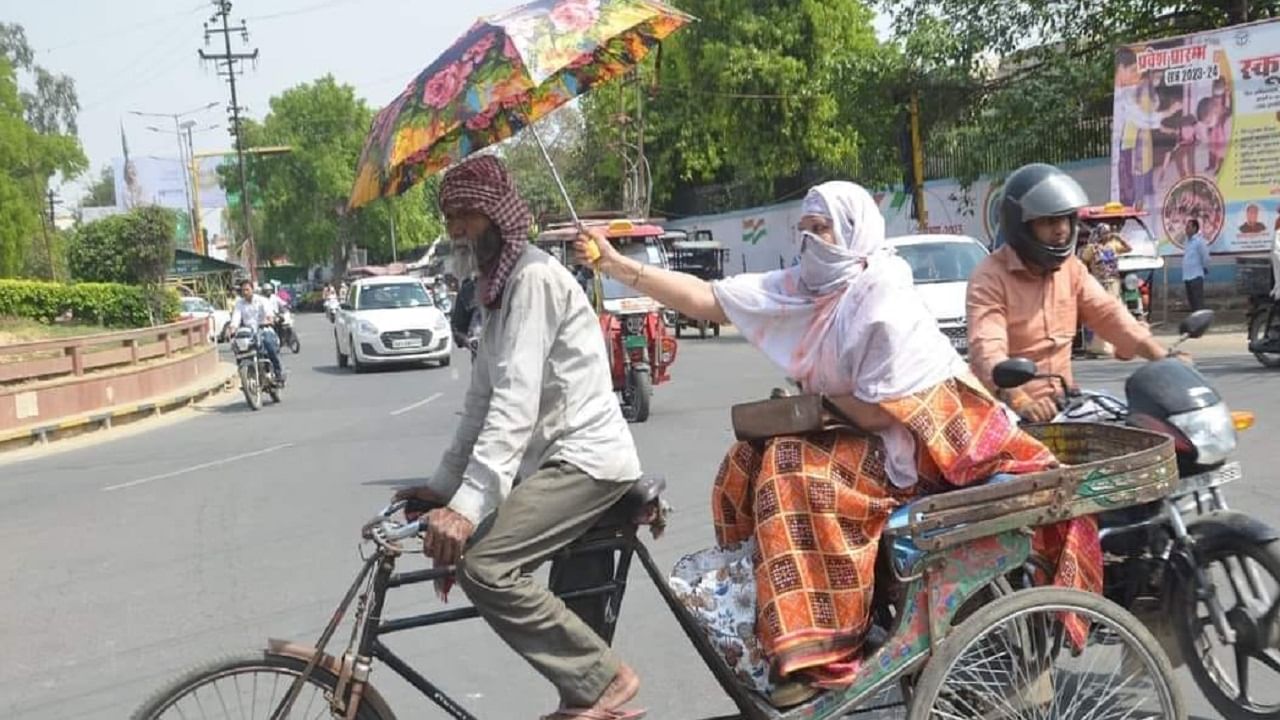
(228, 64)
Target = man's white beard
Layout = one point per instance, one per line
(463, 260)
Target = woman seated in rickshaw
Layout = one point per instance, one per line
(846, 322)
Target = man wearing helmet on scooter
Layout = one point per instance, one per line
(1028, 297)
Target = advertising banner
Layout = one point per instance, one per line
(152, 180)
(1196, 134)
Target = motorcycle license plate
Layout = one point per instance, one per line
(406, 343)
(635, 342)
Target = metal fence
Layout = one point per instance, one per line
(1089, 138)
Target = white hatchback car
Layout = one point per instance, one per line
(391, 319)
(941, 265)
(198, 307)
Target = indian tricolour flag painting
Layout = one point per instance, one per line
(754, 230)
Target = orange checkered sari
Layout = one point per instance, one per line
(818, 504)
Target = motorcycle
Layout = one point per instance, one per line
(1264, 330)
(1166, 561)
(331, 308)
(284, 330)
(254, 367)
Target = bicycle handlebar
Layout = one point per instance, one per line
(383, 529)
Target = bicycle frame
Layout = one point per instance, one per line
(940, 584)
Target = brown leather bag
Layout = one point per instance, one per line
(790, 415)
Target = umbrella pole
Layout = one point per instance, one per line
(595, 274)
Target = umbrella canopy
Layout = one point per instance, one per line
(506, 72)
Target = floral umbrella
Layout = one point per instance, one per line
(508, 71)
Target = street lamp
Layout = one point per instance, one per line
(183, 154)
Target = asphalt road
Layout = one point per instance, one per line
(127, 560)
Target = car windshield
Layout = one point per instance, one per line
(195, 305)
(391, 296)
(644, 251)
(942, 262)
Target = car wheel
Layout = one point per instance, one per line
(337, 349)
(356, 365)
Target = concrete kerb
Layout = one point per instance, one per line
(223, 379)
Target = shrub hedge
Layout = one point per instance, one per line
(107, 304)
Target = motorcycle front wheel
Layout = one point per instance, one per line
(1240, 680)
(295, 345)
(1260, 324)
(249, 385)
(636, 396)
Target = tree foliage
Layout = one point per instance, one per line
(102, 193)
(302, 195)
(37, 141)
(1038, 70)
(752, 95)
(135, 248)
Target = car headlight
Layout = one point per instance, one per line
(1211, 430)
(442, 324)
(367, 328)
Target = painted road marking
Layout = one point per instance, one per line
(416, 405)
(194, 468)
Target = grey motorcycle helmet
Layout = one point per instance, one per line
(1036, 191)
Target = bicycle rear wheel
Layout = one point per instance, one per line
(1012, 660)
(248, 687)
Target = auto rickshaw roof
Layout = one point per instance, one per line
(1111, 211)
(611, 228)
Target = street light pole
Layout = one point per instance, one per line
(182, 154)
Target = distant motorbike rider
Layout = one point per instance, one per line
(259, 313)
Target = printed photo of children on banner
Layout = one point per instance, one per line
(1196, 135)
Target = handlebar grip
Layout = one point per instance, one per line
(420, 507)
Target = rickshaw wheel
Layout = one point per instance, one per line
(1012, 660)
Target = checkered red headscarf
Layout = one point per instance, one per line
(482, 184)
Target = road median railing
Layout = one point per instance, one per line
(76, 356)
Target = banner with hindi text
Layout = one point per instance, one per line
(1196, 134)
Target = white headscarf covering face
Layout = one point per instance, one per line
(847, 319)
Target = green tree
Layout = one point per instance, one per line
(37, 142)
(748, 96)
(1039, 71)
(96, 253)
(562, 133)
(303, 194)
(136, 248)
(102, 193)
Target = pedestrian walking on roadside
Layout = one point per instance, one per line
(1195, 265)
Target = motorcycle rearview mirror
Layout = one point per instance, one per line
(1196, 324)
(1014, 372)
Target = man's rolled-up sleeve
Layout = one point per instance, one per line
(516, 363)
(1107, 315)
(988, 325)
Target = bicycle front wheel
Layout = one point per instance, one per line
(248, 687)
(1012, 660)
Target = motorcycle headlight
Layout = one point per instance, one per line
(367, 328)
(1132, 282)
(1211, 430)
(243, 342)
(635, 324)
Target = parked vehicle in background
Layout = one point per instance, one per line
(941, 266)
(1138, 266)
(701, 256)
(197, 307)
